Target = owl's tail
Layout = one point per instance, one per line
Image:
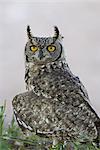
(97, 140)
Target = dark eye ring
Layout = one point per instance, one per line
(34, 48)
(51, 48)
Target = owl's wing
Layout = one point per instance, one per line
(30, 111)
(18, 109)
(83, 91)
(69, 94)
(21, 123)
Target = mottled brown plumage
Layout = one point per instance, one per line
(56, 103)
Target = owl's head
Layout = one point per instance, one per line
(41, 50)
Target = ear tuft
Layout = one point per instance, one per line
(29, 32)
(57, 34)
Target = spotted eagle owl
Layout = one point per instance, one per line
(56, 103)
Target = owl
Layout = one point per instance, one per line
(56, 103)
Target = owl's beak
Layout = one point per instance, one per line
(40, 55)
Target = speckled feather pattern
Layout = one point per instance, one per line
(57, 105)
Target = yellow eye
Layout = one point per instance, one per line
(34, 48)
(51, 48)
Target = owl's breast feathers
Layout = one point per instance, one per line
(58, 101)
